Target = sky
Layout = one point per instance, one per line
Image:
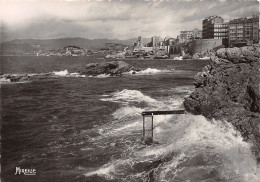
(112, 19)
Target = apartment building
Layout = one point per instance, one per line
(244, 31)
(186, 36)
(214, 27)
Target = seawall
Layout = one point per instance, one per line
(203, 45)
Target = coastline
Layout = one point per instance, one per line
(228, 88)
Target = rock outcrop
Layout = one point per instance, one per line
(22, 77)
(109, 68)
(228, 88)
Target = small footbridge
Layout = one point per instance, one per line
(148, 132)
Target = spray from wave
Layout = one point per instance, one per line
(191, 148)
(5, 80)
(186, 148)
(128, 96)
(149, 71)
(61, 73)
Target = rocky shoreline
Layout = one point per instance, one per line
(109, 68)
(228, 89)
(113, 68)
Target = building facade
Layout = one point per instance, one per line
(214, 27)
(186, 36)
(155, 41)
(244, 31)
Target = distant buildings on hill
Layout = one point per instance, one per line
(216, 32)
(237, 32)
(156, 48)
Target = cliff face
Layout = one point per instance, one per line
(228, 88)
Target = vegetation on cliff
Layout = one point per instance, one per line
(228, 88)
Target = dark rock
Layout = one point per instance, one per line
(16, 78)
(110, 68)
(228, 89)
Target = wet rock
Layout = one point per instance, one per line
(228, 89)
(109, 68)
(15, 77)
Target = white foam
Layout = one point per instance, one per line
(151, 71)
(205, 58)
(5, 80)
(182, 138)
(193, 134)
(127, 111)
(102, 171)
(75, 75)
(132, 125)
(61, 73)
(126, 96)
(178, 58)
(103, 76)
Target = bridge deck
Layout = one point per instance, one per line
(150, 113)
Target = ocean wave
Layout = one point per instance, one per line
(5, 80)
(138, 99)
(205, 58)
(149, 71)
(103, 76)
(152, 71)
(65, 73)
(61, 73)
(126, 112)
(127, 96)
(190, 148)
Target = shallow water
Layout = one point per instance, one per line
(72, 128)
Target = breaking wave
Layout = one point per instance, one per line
(5, 80)
(149, 71)
(61, 73)
(185, 148)
(130, 97)
(189, 148)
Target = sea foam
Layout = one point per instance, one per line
(61, 73)
(5, 80)
(149, 71)
(190, 148)
(127, 96)
(187, 148)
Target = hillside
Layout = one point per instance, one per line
(29, 46)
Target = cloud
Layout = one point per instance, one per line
(112, 18)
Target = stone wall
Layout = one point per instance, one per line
(203, 45)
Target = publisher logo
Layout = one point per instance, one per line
(19, 171)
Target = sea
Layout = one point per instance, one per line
(71, 127)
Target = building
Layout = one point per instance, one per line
(244, 31)
(214, 27)
(155, 41)
(169, 41)
(186, 36)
